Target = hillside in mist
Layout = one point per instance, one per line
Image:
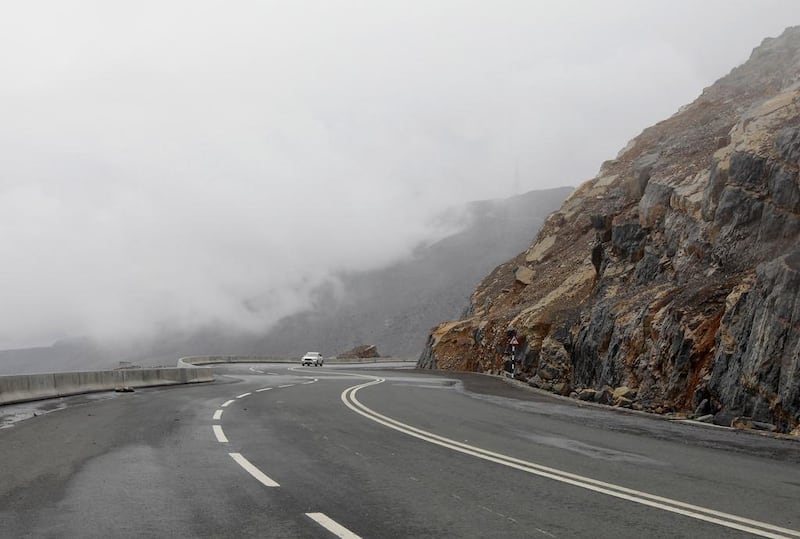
(393, 308)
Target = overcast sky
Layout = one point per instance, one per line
(174, 164)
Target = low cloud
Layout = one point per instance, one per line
(197, 163)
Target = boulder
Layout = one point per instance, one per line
(562, 388)
(742, 423)
(761, 425)
(623, 392)
(549, 372)
(365, 351)
(524, 275)
(604, 396)
(622, 402)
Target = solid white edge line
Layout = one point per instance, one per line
(263, 389)
(217, 415)
(565, 477)
(550, 472)
(252, 470)
(332, 526)
(425, 434)
(243, 395)
(227, 403)
(221, 438)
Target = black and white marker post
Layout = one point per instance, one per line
(511, 349)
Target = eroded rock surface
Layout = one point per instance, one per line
(675, 273)
(364, 351)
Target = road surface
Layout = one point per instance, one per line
(376, 452)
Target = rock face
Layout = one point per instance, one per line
(365, 351)
(675, 273)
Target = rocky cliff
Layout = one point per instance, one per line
(671, 281)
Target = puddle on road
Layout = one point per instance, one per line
(424, 383)
(588, 450)
(14, 413)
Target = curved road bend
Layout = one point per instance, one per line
(284, 451)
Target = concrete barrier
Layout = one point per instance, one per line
(28, 387)
(71, 383)
(22, 387)
(192, 361)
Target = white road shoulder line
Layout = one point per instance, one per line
(217, 415)
(221, 438)
(243, 395)
(332, 526)
(227, 403)
(617, 491)
(252, 470)
(263, 389)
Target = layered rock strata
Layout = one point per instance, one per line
(673, 277)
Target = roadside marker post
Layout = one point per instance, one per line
(512, 348)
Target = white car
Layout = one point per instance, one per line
(312, 358)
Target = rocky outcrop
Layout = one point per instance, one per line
(673, 273)
(365, 351)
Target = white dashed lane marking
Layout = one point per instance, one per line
(252, 470)
(320, 518)
(332, 526)
(219, 434)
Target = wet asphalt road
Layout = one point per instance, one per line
(419, 454)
